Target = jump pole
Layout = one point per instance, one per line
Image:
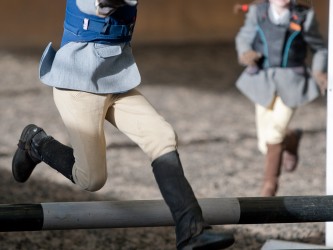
(155, 213)
(329, 133)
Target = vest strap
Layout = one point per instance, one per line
(102, 27)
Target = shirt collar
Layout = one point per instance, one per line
(277, 18)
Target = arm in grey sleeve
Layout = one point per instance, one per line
(87, 6)
(316, 42)
(247, 32)
(91, 7)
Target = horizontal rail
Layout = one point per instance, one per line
(155, 213)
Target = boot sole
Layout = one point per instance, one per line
(223, 243)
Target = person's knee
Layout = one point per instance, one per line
(276, 134)
(89, 182)
(96, 185)
(275, 138)
(161, 141)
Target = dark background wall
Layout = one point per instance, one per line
(35, 23)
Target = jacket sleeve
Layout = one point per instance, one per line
(87, 6)
(245, 37)
(316, 43)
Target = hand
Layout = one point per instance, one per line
(249, 58)
(321, 80)
(241, 8)
(107, 7)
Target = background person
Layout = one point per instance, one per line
(273, 45)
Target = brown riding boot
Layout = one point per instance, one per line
(272, 169)
(290, 153)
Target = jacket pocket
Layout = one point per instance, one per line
(105, 50)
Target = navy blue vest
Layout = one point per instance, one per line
(81, 27)
(281, 46)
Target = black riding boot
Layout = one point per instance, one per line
(191, 229)
(35, 146)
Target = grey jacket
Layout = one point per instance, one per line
(295, 86)
(90, 67)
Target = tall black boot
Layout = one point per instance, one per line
(35, 146)
(191, 229)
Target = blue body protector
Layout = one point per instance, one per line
(281, 46)
(81, 27)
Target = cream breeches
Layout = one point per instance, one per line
(84, 114)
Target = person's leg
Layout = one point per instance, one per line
(272, 170)
(262, 117)
(290, 153)
(272, 152)
(276, 129)
(83, 115)
(35, 146)
(192, 232)
(134, 116)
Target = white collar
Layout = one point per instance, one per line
(279, 18)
